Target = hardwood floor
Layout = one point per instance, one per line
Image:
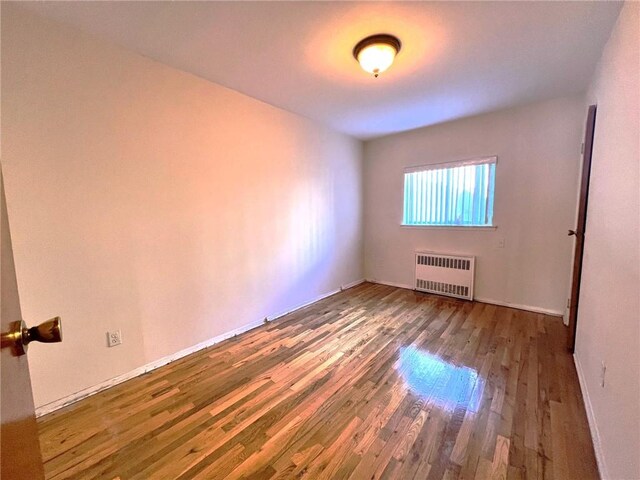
(374, 382)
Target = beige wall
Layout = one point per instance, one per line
(148, 200)
(538, 149)
(609, 311)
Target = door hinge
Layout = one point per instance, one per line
(582, 148)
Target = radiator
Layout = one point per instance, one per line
(444, 274)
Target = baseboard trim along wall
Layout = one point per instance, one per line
(333, 292)
(112, 382)
(593, 426)
(517, 306)
(391, 284)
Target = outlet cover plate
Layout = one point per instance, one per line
(114, 338)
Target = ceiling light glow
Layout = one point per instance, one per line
(376, 53)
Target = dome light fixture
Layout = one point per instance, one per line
(376, 53)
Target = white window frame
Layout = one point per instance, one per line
(482, 160)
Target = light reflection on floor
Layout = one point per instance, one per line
(440, 383)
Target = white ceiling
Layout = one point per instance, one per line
(458, 58)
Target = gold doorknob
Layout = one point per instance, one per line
(19, 337)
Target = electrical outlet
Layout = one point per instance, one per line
(603, 371)
(500, 243)
(114, 338)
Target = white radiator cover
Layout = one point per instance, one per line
(445, 274)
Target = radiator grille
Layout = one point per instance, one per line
(445, 274)
(443, 288)
(444, 262)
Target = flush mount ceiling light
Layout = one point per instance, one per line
(376, 53)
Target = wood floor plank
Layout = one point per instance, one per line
(373, 382)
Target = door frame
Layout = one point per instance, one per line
(580, 230)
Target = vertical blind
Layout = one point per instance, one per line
(458, 193)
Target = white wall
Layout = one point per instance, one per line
(538, 149)
(148, 200)
(609, 310)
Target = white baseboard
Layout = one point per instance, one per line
(74, 397)
(391, 284)
(352, 284)
(517, 306)
(593, 426)
(317, 299)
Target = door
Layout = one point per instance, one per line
(579, 232)
(19, 446)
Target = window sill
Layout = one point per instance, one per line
(452, 227)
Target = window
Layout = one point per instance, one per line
(457, 193)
